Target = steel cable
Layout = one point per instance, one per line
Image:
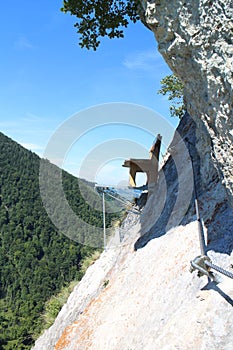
(219, 269)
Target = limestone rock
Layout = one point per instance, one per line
(141, 294)
(195, 38)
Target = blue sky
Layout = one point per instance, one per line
(46, 78)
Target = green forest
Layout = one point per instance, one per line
(36, 260)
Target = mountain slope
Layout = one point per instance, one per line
(36, 260)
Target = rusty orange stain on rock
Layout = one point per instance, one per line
(64, 340)
(81, 327)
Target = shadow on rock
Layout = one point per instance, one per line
(189, 173)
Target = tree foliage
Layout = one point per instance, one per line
(36, 261)
(174, 88)
(100, 18)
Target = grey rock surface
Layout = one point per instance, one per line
(140, 293)
(152, 301)
(195, 38)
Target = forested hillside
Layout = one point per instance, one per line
(36, 261)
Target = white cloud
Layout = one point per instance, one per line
(112, 174)
(23, 43)
(117, 176)
(30, 117)
(144, 60)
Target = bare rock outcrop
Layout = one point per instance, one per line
(140, 294)
(153, 302)
(180, 176)
(195, 38)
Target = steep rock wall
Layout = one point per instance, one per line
(172, 202)
(151, 300)
(146, 298)
(195, 38)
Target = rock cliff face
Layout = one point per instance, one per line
(172, 203)
(195, 38)
(153, 302)
(140, 293)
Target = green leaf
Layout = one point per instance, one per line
(172, 86)
(100, 18)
